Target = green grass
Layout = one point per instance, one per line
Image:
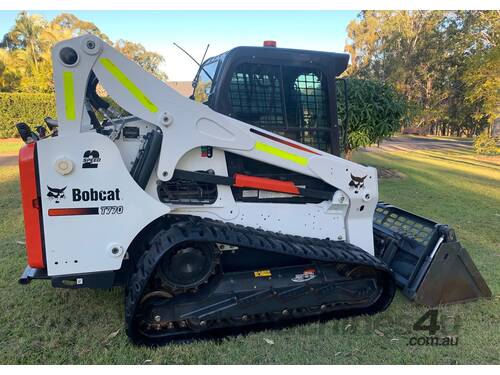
(39, 324)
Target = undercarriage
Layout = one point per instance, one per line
(213, 288)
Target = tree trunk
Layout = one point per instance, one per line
(33, 55)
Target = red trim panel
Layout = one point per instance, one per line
(31, 206)
(283, 141)
(73, 211)
(243, 181)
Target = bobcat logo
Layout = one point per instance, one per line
(56, 194)
(357, 183)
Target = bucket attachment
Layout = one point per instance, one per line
(430, 265)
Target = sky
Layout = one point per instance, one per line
(223, 30)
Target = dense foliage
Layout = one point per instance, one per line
(484, 144)
(375, 112)
(446, 64)
(24, 107)
(25, 61)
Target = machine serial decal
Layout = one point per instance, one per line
(307, 275)
(111, 210)
(91, 159)
(81, 211)
(56, 194)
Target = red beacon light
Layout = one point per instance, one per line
(270, 43)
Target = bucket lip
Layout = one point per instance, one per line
(451, 278)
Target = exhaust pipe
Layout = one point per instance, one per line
(430, 265)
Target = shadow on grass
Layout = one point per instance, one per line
(453, 158)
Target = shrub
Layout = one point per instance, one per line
(484, 144)
(376, 112)
(24, 107)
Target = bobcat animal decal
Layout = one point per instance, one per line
(56, 194)
(357, 183)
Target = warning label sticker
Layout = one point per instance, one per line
(262, 273)
(307, 275)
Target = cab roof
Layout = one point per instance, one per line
(338, 61)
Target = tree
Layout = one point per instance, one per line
(482, 74)
(26, 35)
(10, 78)
(78, 27)
(426, 55)
(482, 86)
(399, 47)
(25, 51)
(375, 110)
(149, 61)
(26, 54)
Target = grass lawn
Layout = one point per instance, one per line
(39, 324)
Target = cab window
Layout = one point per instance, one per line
(291, 101)
(255, 95)
(203, 87)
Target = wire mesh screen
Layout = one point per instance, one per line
(255, 95)
(285, 100)
(306, 103)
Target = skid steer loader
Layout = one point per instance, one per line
(233, 212)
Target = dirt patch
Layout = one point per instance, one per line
(390, 173)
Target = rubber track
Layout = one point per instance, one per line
(196, 229)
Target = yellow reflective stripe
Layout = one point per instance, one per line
(280, 153)
(69, 95)
(128, 84)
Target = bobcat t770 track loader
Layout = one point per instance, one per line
(209, 219)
